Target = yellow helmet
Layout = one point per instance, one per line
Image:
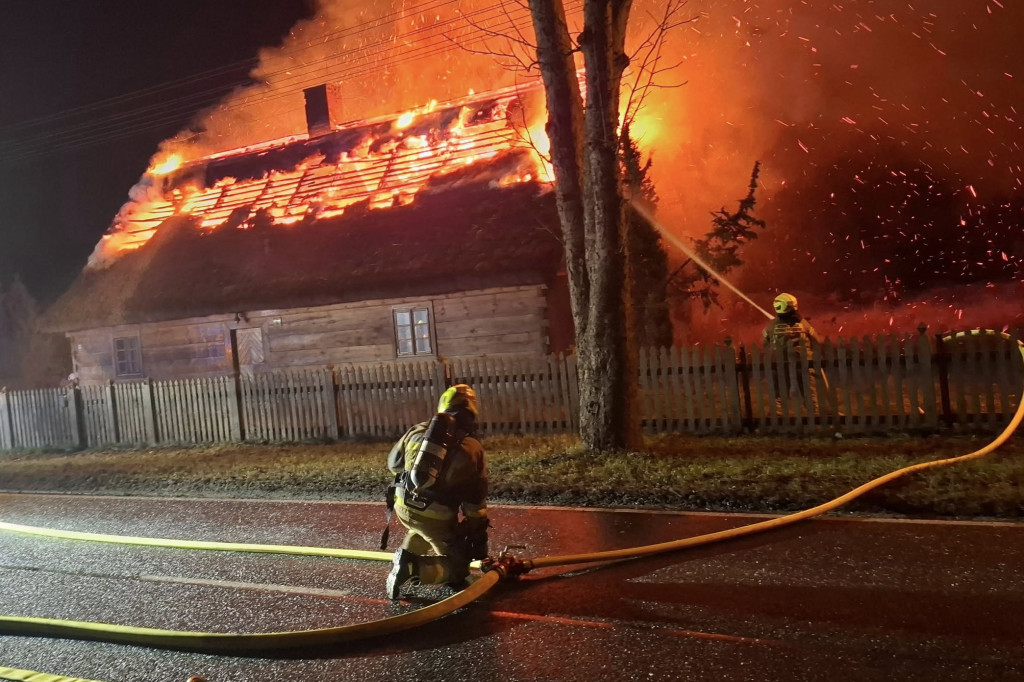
(459, 396)
(784, 303)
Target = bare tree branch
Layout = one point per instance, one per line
(645, 61)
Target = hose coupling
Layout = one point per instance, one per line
(506, 564)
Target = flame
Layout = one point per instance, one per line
(541, 145)
(407, 119)
(168, 165)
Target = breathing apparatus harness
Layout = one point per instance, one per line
(443, 433)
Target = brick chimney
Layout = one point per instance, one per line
(323, 108)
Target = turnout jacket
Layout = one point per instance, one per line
(790, 331)
(462, 483)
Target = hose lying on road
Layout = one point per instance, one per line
(198, 544)
(494, 570)
(16, 675)
(235, 643)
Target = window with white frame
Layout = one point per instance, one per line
(127, 358)
(412, 332)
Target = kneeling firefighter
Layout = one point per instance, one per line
(439, 470)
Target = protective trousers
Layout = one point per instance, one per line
(425, 533)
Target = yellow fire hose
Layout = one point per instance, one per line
(495, 570)
(16, 675)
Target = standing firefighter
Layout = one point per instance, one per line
(439, 470)
(790, 336)
(789, 328)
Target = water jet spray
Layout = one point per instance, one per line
(678, 243)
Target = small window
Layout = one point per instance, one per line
(127, 359)
(412, 332)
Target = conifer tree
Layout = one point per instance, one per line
(648, 263)
(719, 248)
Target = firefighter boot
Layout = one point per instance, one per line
(403, 569)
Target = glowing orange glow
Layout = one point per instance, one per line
(646, 129)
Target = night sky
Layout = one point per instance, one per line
(60, 186)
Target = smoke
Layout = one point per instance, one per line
(387, 56)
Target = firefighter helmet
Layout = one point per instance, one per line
(784, 303)
(458, 397)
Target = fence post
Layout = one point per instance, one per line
(338, 400)
(446, 370)
(334, 402)
(942, 362)
(77, 408)
(743, 372)
(235, 409)
(148, 413)
(115, 427)
(6, 421)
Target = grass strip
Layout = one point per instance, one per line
(761, 474)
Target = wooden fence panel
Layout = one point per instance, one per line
(522, 394)
(985, 378)
(193, 411)
(41, 418)
(866, 385)
(383, 400)
(129, 412)
(97, 404)
(775, 388)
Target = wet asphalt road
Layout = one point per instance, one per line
(823, 600)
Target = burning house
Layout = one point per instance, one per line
(431, 233)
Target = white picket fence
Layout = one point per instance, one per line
(870, 385)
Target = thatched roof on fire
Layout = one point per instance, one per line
(374, 210)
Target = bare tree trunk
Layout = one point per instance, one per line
(603, 316)
(565, 120)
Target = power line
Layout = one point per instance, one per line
(308, 74)
(217, 71)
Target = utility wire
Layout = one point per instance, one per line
(171, 113)
(99, 131)
(110, 129)
(190, 103)
(218, 71)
